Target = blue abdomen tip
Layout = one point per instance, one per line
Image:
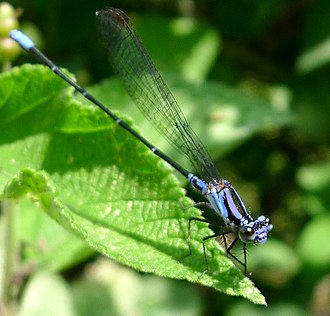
(22, 39)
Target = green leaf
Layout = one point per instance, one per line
(104, 186)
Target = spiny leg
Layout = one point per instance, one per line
(222, 234)
(204, 250)
(203, 220)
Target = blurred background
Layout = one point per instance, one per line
(277, 51)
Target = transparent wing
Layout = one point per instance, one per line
(148, 90)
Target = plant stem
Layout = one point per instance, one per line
(9, 243)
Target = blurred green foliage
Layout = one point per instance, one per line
(253, 79)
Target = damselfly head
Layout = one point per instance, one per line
(255, 231)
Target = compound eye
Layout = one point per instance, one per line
(270, 225)
(247, 234)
